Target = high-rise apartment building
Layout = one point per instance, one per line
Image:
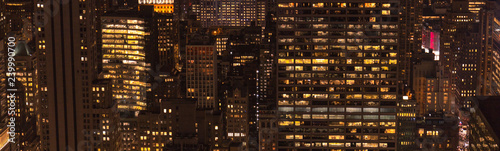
(201, 75)
(124, 59)
(337, 69)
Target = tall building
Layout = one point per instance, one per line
(268, 129)
(168, 49)
(25, 73)
(410, 36)
(406, 114)
(495, 77)
(4, 136)
(337, 72)
(459, 51)
(484, 129)
(457, 18)
(171, 124)
(237, 120)
(41, 76)
(232, 13)
(431, 88)
(18, 14)
(468, 45)
(211, 131)
(487, 19)
(162, 42)
(66, 57)
(26, 105)
(3, 20)
(201, 75)
(437, 132)
(124, 59)
(105, 120)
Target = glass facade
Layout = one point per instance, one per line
(123, 60)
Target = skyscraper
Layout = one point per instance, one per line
(459, 51)
(337, 72)
(26, 103)
(232, 13)
(124, 59)
(201, 75)
(237, 122)
(496, 58)
(65, 45)
(410, 36)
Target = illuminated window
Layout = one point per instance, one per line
(285, 61)
(386, 12)
(318, 5)
(336, 137)
(370, 5)
(320, 61)
(390, 131)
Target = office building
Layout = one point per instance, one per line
(268, 129)
(437, 132)
(410, 37)
(18, 15)
(201, 75)
(237, 116)
(232, 13)
(484, 128)
(105, 118)
(460, 52)
(406, 114)
(337, 69)
(25, 73)
(66, 57)
(495, 77)
(487, 16)
(210, 127)
(25, 105)
(431, 88)
(170, 125)
(124, 59)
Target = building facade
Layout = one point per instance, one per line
(201, 75)
(337, 69)
(123, 60)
